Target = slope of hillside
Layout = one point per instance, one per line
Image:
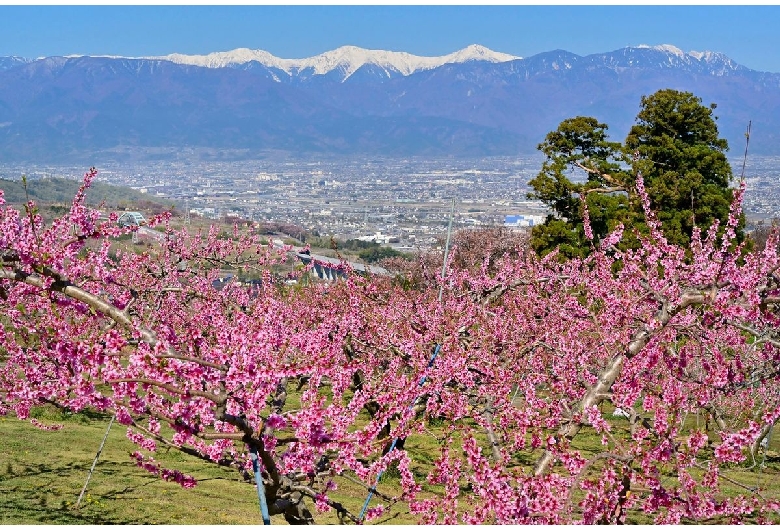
(61, 191)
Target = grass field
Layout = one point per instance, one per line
(42, 473)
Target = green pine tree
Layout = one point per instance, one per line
(674, 145)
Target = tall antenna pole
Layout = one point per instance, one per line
(446, 251)
(747, 143)
(436, 351)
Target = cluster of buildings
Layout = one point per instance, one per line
(401, 202)
(523, 221)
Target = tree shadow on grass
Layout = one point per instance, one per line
(138, 475)
(23, 509)
(45, 493)
(124, 493)
(388, 519)
(25, 498)
(12, 471)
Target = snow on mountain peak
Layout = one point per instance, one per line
(708, 56)
(476, 52)
(718, 63)
(220, 59)
(347, 59)
(668, 48)
(674, 50)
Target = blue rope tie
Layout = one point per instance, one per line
(395, 440)
(260, 486)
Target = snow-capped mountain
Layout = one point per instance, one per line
(10, 62)
(668, 56)
(346, 60)
(350, 100)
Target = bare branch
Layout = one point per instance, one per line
(170, 388)
(72, 291)
(605, 190)
(611, 372)
(588, 464)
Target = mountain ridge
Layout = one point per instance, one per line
(477, 102)
(403, 62)
(347, 58)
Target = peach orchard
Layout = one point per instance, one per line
(531, 354)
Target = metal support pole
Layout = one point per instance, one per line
(260, 485)
(446, 251)
(94, 462)
(395, 440)
(435, 354)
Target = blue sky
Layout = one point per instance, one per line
(750, 35)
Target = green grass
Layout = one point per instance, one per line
(735, 478)
(42, 473)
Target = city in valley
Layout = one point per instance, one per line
(400, 202)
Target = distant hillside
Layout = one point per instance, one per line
(62, 191)
(249, 104)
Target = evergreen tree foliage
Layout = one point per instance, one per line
(674, 145)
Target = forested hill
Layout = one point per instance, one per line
(53, 190)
